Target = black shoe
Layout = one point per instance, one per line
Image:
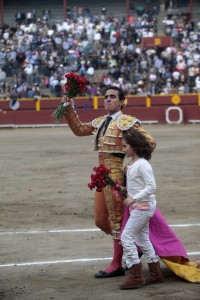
(102, 274)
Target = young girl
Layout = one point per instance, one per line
(141, 201)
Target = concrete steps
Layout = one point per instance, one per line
(114, 7)
(11, 7)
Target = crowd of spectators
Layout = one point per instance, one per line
(35, 54)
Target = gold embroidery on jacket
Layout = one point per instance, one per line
(125, 122)
(96, 123)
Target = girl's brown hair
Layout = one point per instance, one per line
(138, 142)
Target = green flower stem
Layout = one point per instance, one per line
(59, 113)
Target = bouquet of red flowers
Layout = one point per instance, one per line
(101, 179)
(75, 86)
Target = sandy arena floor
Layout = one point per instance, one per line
(45, 203)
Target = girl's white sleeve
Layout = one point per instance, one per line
(146, 173)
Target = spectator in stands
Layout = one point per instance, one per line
(197, 83)
(110, 43)
(46, 14)
(2, 76)
(28, 71)
(58, 88)
(90, 73)
(103, 10)
(20, 17)
(29, 17)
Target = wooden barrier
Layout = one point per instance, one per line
(157, 109)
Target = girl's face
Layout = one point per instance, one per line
(128, 150)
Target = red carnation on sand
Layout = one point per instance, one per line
(74, 86)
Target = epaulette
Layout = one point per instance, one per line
(125, 122)
(98, 121)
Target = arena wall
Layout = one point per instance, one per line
(166, 109)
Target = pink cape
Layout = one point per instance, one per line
(169, 248)
(164, 240)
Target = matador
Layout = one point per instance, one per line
(108, 130)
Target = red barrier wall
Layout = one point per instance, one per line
(155, 109)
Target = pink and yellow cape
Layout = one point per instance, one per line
(169, 247)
